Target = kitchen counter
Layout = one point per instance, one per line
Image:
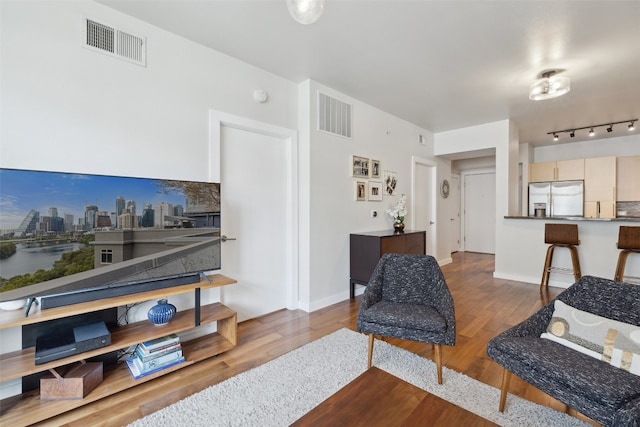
(574, 218)
(523, 249)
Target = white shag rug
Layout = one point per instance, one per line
(284, 389)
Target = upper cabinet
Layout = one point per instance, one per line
(628, 179)
(562, 170)
(600, 187)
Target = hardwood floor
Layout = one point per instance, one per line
(484, 307)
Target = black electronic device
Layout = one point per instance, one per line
(69, 341)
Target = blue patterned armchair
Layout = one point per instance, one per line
(408, 298)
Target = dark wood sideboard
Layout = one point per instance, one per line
(365, 249)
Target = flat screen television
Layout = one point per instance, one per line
(68, 233)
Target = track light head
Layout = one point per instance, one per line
(610, 128)
(572, 134)
(555, 136)
(591, 132)
(631, 127)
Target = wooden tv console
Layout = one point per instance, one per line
(27, 408)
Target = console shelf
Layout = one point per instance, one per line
(27, 408)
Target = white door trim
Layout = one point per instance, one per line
(433, 175)
(463, 176)
(217, 120)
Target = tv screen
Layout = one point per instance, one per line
(67, 232)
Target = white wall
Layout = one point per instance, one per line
(619, 147)
(329, 212)
(67, 108)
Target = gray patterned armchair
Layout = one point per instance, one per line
(408, 298)
(602, 392)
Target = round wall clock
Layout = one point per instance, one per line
(444, 189)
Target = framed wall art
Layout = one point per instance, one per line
(359, 167)
(375, 168)
(390, 183)
(361, 191)
(375, 191)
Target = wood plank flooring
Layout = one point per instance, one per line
(484, 307)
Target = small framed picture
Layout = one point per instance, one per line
(390, 182)
(375, 168)
(361, 191)
(375, 191)
(359, 167)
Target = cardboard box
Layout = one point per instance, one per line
(73, 382)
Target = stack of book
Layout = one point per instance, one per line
(155, 355)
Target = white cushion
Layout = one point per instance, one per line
(614, 342)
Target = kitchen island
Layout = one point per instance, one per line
(524, 249)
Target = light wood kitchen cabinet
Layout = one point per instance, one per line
(600, 187)
(628, 179)
(562, 170)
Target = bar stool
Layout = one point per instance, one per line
(563, 236)
(628, 242)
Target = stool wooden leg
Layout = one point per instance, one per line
(575, 260)
(370, 353)
(622, 261)
(506, 378)
(544, 284)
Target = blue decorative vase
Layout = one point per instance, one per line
(161, 313)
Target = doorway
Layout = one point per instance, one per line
(454, 219)
(259, 214)
(479, 210)
(423, 194)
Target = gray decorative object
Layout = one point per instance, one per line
(408, 298)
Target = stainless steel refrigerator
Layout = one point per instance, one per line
(561, 198)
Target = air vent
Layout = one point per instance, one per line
(334, 116)
(112, 41)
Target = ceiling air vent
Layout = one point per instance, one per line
(334, 116)
(112, 41)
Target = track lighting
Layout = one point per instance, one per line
(609, 126)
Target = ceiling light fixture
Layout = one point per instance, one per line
(550, 85)
(305, 11)
(572, 131)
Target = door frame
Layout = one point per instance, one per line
(218, 120)
(433, 193)
(463, 201)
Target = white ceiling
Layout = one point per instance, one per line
(441, 65)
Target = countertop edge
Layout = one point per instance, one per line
(551, 218)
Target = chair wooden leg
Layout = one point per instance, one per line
(506, 377)
(438, 348)
(370, 354)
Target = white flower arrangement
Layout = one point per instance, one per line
(399, 211)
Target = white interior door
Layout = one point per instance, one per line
(253, 189)
(480, 212)
(423, 206)
(454, 220)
